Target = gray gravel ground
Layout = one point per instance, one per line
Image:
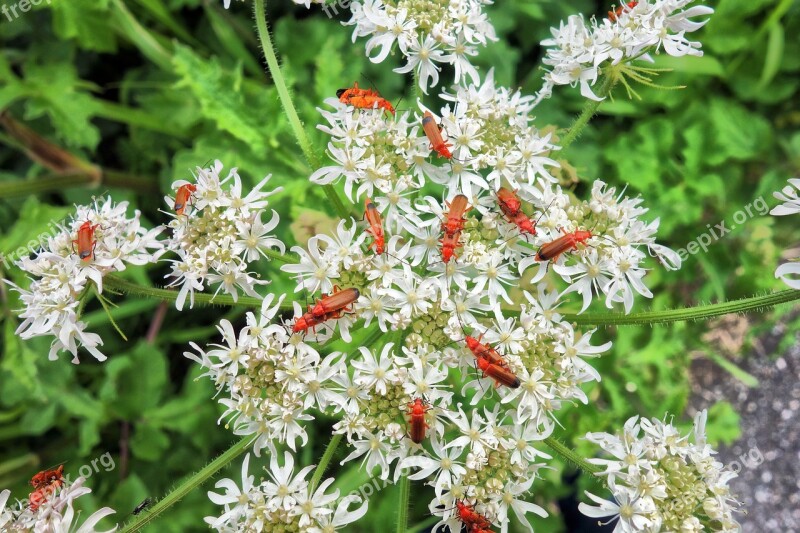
(769, 448)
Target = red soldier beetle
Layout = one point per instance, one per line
(455, 216)
(329, 307)
(511, 207)
(45, 477)
(183, 197)
(334, 302)
(613, 15)
(85, 241)
(373, 217)
(500, 375)
(486, 351)
(434, 133)
(449, 245)
(470, 517)
(46, 483)
(363, 98)
(550, 251)
(416, 419)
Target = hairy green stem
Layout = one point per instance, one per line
(589, 109)
(700, 312)
(570, 456)
(188, 485)
(402, 506)
(288, 105)
(324, 462)
(116, 283)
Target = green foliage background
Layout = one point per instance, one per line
(155, 88)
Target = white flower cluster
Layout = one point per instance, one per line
(428, 33)
(789, 272)
(271, 379)
(662, 481)
(494, 141)
(577, 52)
(55, 514)
(283, 502)
(61, 279)
(611, 262)
(491, 133)
(218, 234)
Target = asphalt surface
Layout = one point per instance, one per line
(769, 447)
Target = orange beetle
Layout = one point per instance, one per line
(500, 375)
(434, 133)
(480, 350)
(613, 15)
(471, 518)
(455, 216)
(335, 302)
(363, 98)
(373, 217)
(569, 241)
(183, 197)
(85, 241)
(416, 419)
(512, 209)
(46, 483)
(449, 245)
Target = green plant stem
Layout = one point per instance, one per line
(116, 283)
(700, 312)
(188, 485)
(277, 256)
(110, 178)
(288, 105)
(402, 506)
(570, 456)
(324, 462)
(588, 111)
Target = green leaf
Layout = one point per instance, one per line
(220, 99)
(723, 424)
(35, 224)
(149, 443)
(774, 57)
(135, 382)
(85, 21)
(18, 361)
(54, 89)
(738, 134)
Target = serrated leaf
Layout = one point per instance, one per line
(220, 100)
(54, 89)
(86, 21)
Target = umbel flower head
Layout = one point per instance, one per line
(284, 500)
(55, 514)
(60, 277)
(577, 52)
(218, 234)
(662, 480)
(428, 33)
